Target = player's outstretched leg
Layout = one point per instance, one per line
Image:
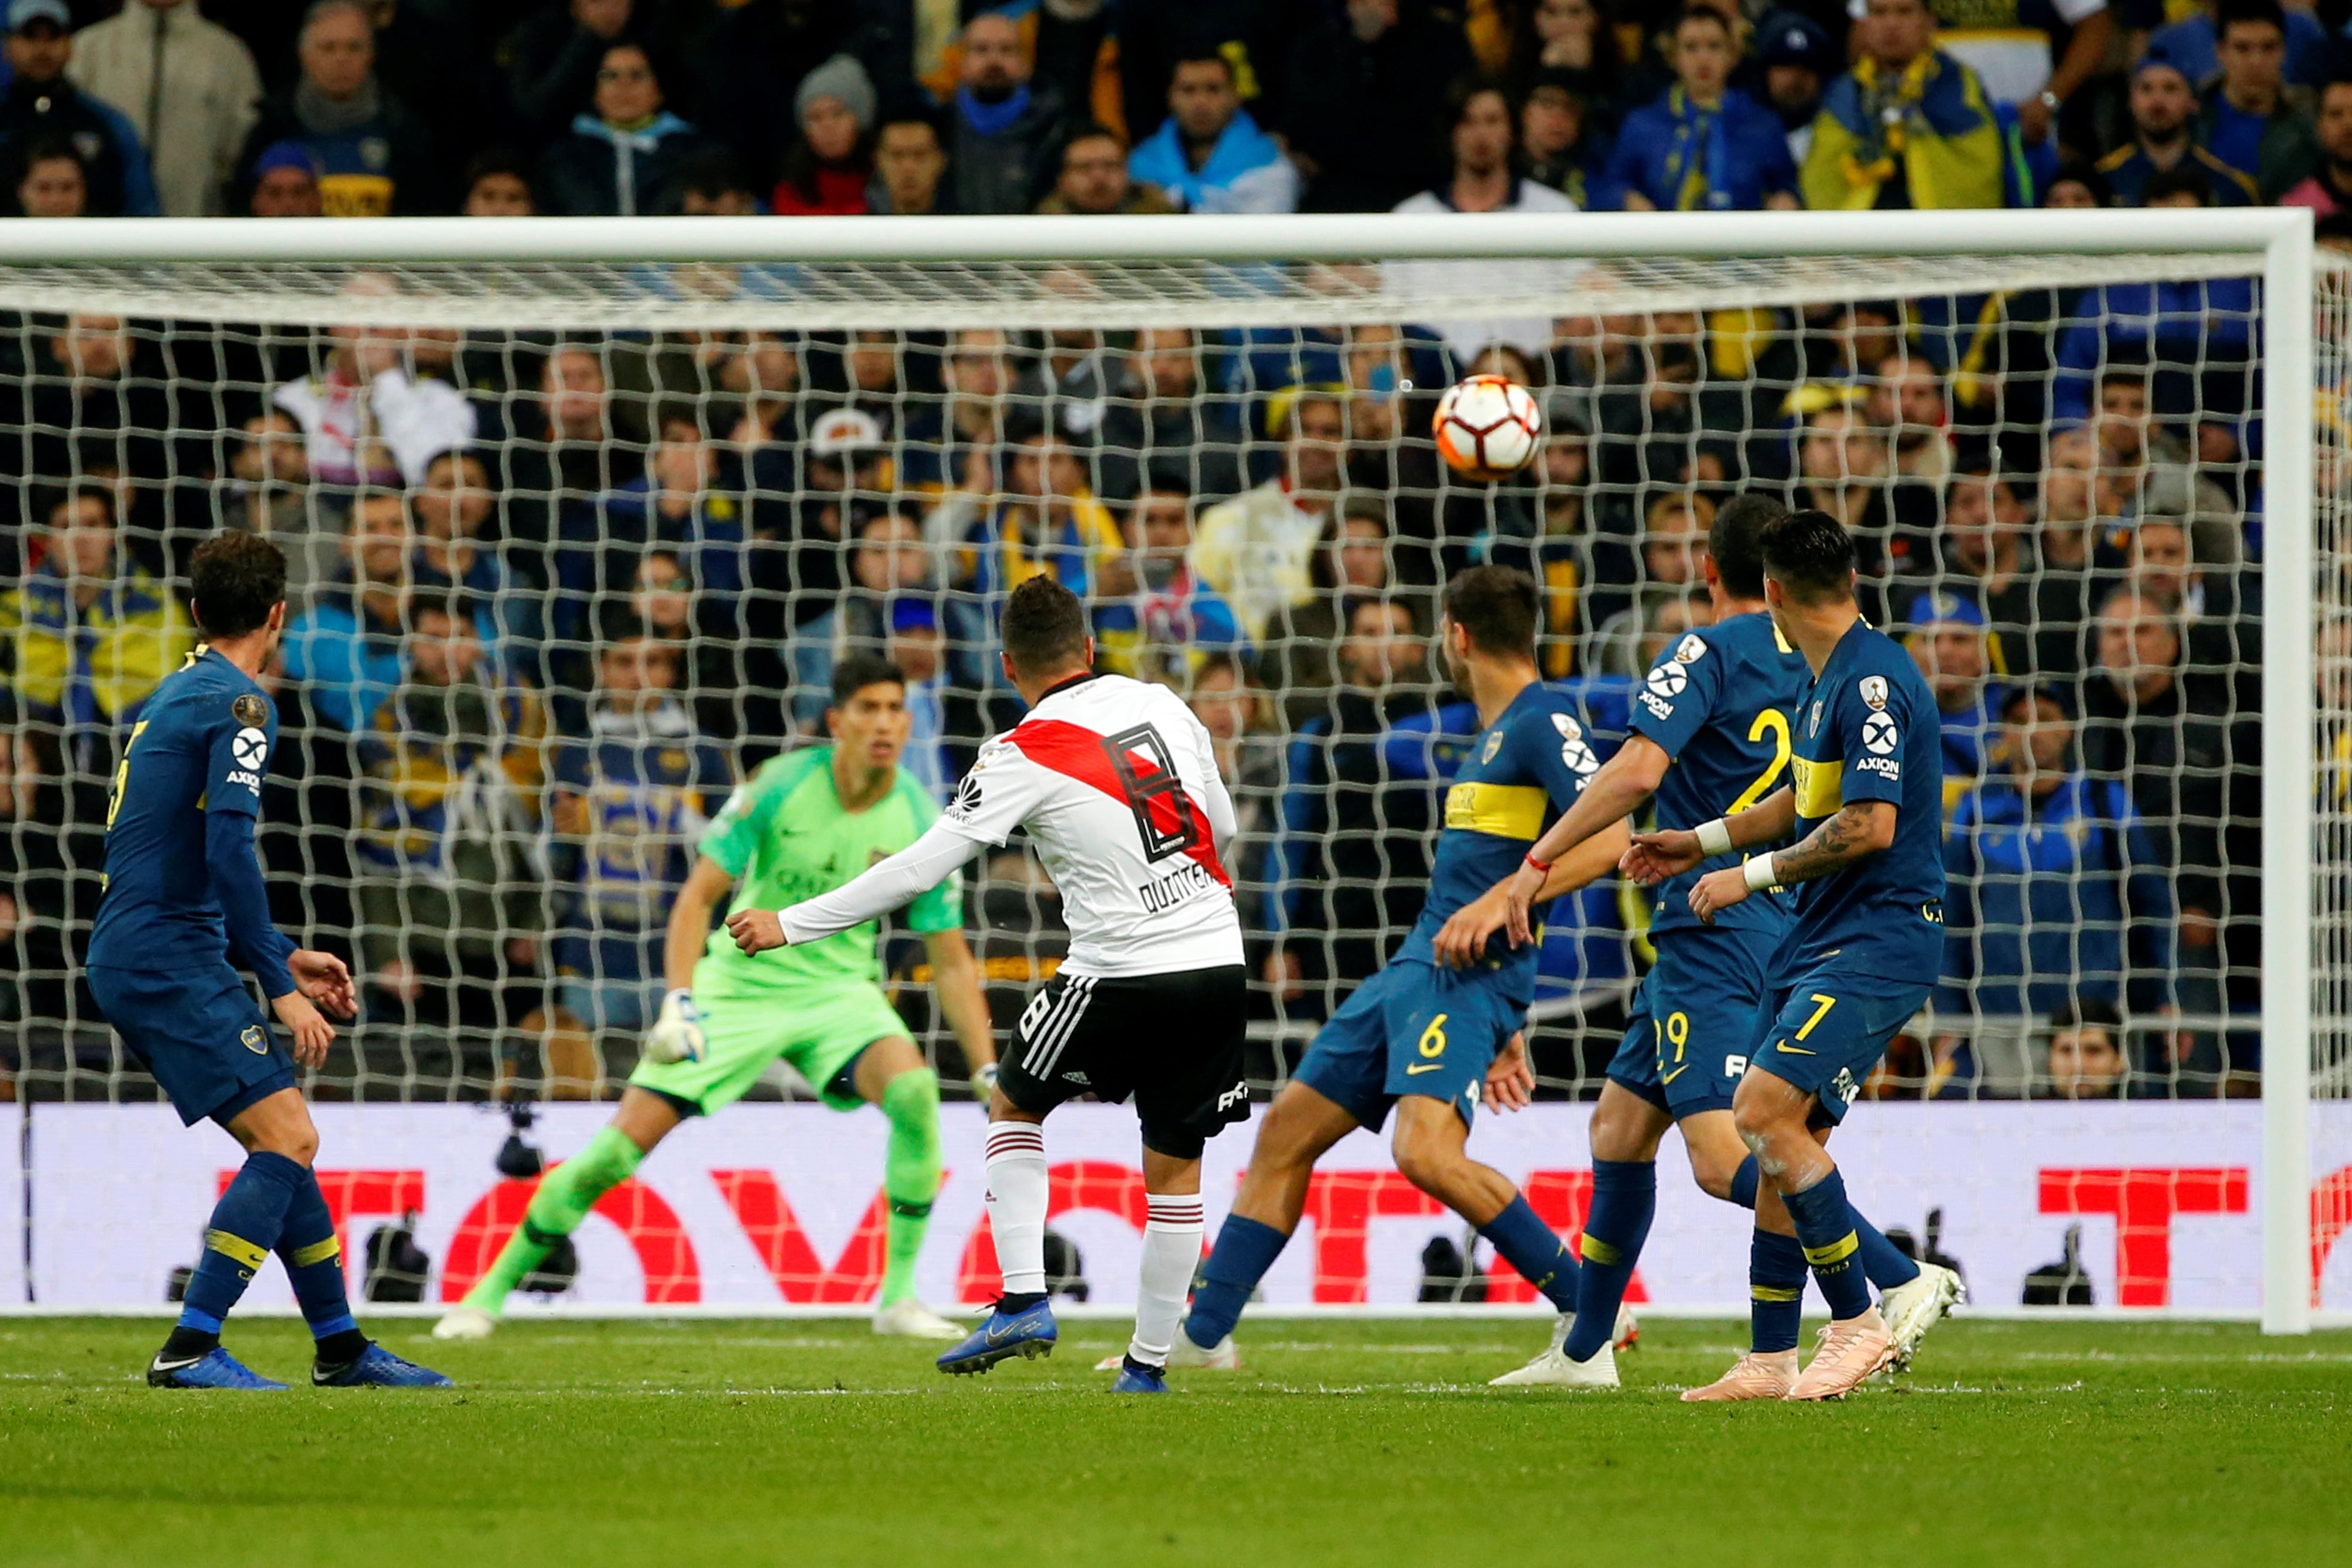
(1023, 1322)
(1299, 1127)
(1776, 1291)
(247, 1223)
(565, 1197)
(1625, 1131)
(1428, 1142)
(1772, 1115)
(1171, 1250)
(909, 1095)
(343, 1357)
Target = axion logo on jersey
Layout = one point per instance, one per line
(1573, 751)
(1879, 734)
(1669, 678)
(250, 747)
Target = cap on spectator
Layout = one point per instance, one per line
(2157, 59)
(841, 78)
(838, 432)
(1566, 409)
(1935, 608)
(913, 614)
(1790, 38)
(2049, 692)
(23, 14)
(287, 155)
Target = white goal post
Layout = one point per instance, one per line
(910, 274)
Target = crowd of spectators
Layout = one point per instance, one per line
(554, 592)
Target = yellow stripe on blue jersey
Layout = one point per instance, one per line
(1507, 811)
(1819, 786)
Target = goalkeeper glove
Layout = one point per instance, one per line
(677, 1034)
(983, 1082)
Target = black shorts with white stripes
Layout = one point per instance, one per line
(1173, 1041)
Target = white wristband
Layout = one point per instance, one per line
(1759, 874)
(1714, 837)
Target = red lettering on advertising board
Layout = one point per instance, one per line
(2143, 1202)
(664, 1252)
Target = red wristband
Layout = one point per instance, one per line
(1543, 868)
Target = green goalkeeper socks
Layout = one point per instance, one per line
(911, 1174)
(562, 1201)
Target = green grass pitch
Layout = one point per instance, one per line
(584, 1444)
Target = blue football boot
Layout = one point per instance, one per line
(1028, 1332)
(1134, 1377)
(377, 1368)
(214, 1369)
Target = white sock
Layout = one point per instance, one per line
(1016, 1204)
(1171, 1251)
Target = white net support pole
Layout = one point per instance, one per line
(2290, 850)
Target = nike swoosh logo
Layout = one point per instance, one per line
(1432, 1066)
(1673, 1075)
(163, 1365)
(1792, 1050)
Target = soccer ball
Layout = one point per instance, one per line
(1486, 428)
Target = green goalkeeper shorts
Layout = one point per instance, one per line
(820, 1030)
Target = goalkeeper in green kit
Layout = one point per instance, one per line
(805, 824)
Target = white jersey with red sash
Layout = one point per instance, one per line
(1116, 783)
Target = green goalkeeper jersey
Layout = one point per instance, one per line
(784, 837)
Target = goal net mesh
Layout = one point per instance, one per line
(575, 548)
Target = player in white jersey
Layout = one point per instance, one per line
(1117, 786)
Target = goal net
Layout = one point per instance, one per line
(582, 518)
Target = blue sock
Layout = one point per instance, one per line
(1744, 1182)
(1825, 1228)
(1529, 1246)
(1776, 1292)
(1245, 1249)
(314, 1265)
(1883, 1263)
(244, 1226)
(1624, 1198)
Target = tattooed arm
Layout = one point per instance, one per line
(1857, 832)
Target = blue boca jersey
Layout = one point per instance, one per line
(197, 757)
(1723, 706)
(1870, 732)
(1520, 776)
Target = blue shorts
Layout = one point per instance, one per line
(1412, 1028)
(1829, 1027)
(200, 1034)
(1694, 1019)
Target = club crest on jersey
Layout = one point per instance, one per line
(1691, 649)
(1494, 743)
(1873, 692)
(250, 711)
(1813, 723)
(253, 1040)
